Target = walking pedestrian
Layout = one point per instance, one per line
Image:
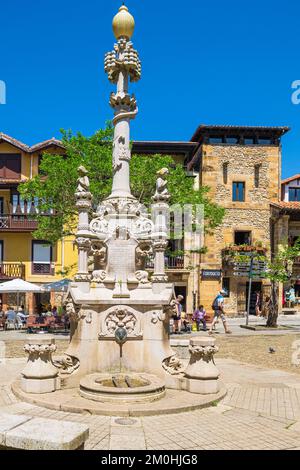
(218, 308)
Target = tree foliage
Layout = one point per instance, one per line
(278, 270)
(56, 184)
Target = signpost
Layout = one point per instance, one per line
(249, 290)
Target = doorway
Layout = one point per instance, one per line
(256, 287)
(181, 290)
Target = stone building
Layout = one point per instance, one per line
(286, 229)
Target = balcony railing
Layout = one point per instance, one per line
(17, 223)
(297, 261)
(12, 271)
(171, 262)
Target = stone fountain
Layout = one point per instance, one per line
(119, 348)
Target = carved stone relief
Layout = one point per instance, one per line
(121, 317)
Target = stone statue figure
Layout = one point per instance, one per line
(161, 193)
(83, 181)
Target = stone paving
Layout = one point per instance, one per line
(260, 411)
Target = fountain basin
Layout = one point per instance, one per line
(122, 387)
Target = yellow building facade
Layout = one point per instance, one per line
(21, 255)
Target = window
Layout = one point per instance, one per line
(15, 202)
(249, 141)
(238, 191)
(226, 286)
(225, 172)
(216, 140)
(256, 175)
(41, 257)
(294, 194)
(1, 251)
(242, 237)
(264, 141)
(232, 140)
(10, 165)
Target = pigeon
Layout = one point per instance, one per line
(271, 350)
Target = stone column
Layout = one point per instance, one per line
(39, 374)
(122, 64)
(31, 302)
(83, 204)
(160, 214)
(202, 375)
(159, 274)
(283, 231)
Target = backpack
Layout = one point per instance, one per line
(215, 304)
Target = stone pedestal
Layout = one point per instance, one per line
(202, 375)
(39, 375)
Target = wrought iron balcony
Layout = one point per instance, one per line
(17, 223)
(297, 262)
(12, 271)
(171, 262)
(43, 269)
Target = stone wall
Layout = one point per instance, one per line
(259, 168)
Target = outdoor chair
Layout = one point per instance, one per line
(56, 324)
(10, 325)
(2, 323)
(32, 325)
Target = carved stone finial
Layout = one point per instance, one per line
(201, 373)
(161, 194)
(83, 182)
(39, 374)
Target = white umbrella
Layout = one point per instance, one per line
(18, 286)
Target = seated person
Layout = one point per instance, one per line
(199, 317)
(185, 322)
(11, 317)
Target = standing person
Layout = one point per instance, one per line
(199, 317)
(21, 315)
(177, 316)
(292, 296)
(218, 308)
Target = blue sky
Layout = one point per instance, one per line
(214, 62)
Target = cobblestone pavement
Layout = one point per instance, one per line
(260, 411)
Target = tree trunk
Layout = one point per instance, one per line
(273, 306)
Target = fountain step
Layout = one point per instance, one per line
(122, 388)
(174, 401)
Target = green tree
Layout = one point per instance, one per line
(279, 271)
(56, 184)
